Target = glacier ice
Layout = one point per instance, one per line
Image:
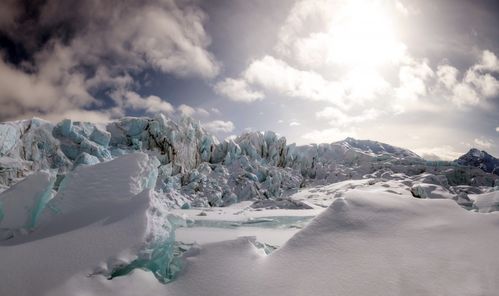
(85, 159)
(23, 203)
(9, 134)
(195, 168)
(112, 200)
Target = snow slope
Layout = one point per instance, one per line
(367, 243)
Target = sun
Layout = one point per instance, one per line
(362, 33)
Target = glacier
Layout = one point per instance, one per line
(108, 206)
(195, 168)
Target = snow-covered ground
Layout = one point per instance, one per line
(156, 207)
(365, 243)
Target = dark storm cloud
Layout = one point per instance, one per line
(60, 53)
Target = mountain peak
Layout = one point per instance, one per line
(481, 159)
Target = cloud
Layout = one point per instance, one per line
(47, 91)
(276, 75)
(9, 11)
(105, 43)
(477, 83)
(445, 152)
(166, 35)
(330, 32)
(150, 104)
(497, 129)
(483, 142)
(328, 135)
(202, 112)
(339, 118)
(413, 78)
(218, 126)
(489, 62)
(294, 123)
(79, 115)
(187, 110)
(401, 8)
(331, 51)
(447, 75)
(237, 90)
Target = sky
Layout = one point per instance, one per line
(416, 74)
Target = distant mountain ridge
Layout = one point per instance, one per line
(377, 148)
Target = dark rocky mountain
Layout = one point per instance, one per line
(480, 159)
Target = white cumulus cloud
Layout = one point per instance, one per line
(477, 83)
(237, 90)
(339, 118)
(150, 104)
(217, 126)
(187, 110)
(483, 142)
(445, 152)
(328, 135)
(278, 76)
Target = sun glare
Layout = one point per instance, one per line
(362, 34)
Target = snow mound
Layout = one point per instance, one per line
(486, 202)
(364, 244)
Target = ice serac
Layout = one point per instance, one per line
(9, 133)
(182, 143)
(132, 176)
(104, 218)
(113, 181)
(77, 138)
(265, 146)
(22, 204)
(28, 146)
